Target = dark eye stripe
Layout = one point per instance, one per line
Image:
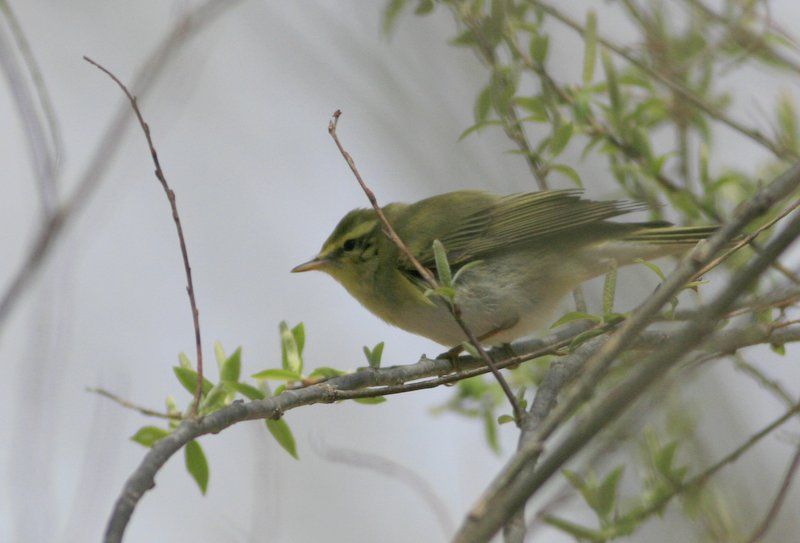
(349, 245)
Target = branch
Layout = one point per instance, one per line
(761, 531)
(423, 271)
(176, 218)
(129, 405)
(192, 23)
(511, 489)
(44, 154)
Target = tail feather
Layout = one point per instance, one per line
(672, 235)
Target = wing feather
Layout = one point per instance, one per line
(521, 219)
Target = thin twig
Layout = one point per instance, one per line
(129, 405)
(749, 240)
(761, 531)
(159, 173)
(422, 270)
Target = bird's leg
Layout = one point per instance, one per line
(453, 354)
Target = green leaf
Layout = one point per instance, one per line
(575, 316)
(483, 104)
(567, 171)
(374, 355)
(577, 531)
(503, 419)
(424, 7)
(664, 458)
(149, 435)
(590, 47)
(214, 399)
(490, 430)
(476, 127)
(188, 378)
(614, 95)
(535, 105)
(283, 435)
(464, 268)
(561, 138)
(290, 353)
(184, 361)
(326, 372)
(391, 14)
(653, 267)
(196, 464)
(248, 391)
(278, 375)
(299, 334)
(607, 493)
(538, 48)
(470, 348)
(583, 337)
(370, 401)
(609, 290)
(442, 265)
(778, 348)
(219, 353)
(231, 367)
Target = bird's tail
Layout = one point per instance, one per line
(666, 234)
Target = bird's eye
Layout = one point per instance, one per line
(349, 245)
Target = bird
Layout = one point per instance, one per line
(525, 252)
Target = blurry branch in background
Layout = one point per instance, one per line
(762, 528)
(46, 150)
(188, 26)
(426, 274)
(159, 173)
(393, 470)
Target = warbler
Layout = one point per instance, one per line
(529, 250)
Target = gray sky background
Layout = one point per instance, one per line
(240, 123)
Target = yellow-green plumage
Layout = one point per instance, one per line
(533, 249)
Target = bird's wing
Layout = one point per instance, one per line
(520, 219)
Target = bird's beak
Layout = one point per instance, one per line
(313, 264)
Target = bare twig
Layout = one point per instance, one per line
(159, 173)
(129, 405)
(749, 240)
(193, 22)
(512, 488)
(761, 531)
(422, 270)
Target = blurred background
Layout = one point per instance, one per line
(239, 118)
